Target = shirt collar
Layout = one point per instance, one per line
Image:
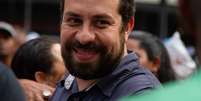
(61, 83)
(68, 83)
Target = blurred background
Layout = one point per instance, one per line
(159, 17)
(32, 18)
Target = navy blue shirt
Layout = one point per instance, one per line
(128, 78)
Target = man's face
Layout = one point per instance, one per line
(92, 44)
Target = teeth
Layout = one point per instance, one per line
(84, 51)
(85, 55)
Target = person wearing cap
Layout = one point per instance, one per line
(7, 43)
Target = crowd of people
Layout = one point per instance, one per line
(99, 56)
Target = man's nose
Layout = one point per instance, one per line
(85, 35)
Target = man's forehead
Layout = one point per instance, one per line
(91, 8)
(91, 1)
(91, 4)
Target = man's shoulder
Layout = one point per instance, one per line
(179, 91)
(134, 78)
(139, 81)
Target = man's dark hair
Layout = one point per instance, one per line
(155, 48)
(33, 56)
(126, 10)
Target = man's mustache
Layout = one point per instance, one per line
(91, 46)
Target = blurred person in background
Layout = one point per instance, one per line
(10, 89)
(8, 47)
(39, 60)
(35, 91)
(187, 90)
(152, 54)
(7, 43)
(21, 35)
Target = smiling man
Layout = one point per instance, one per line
(93, 36)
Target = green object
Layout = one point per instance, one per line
(187, 90)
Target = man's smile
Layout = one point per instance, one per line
(83, 55)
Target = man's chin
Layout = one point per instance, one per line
(87, 77)
(85, 71)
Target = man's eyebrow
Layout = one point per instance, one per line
(102, 16)
(71, 14)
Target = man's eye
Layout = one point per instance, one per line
(74, 21)
(102, 23)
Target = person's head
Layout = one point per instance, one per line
(191, 16)
(7, 43)
(152, 54)
(21, 35)
(40, 60)
(93, 35)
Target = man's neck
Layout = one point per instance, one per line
(84, 84)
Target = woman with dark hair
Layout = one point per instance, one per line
(152, 54)
(39, 60)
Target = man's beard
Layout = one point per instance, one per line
(104, 65)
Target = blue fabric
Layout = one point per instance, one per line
(10, 89)
(187, 90)
(127, 79)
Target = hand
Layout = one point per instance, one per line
(34, 90)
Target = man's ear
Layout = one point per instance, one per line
(40, 77)
(129, 27)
